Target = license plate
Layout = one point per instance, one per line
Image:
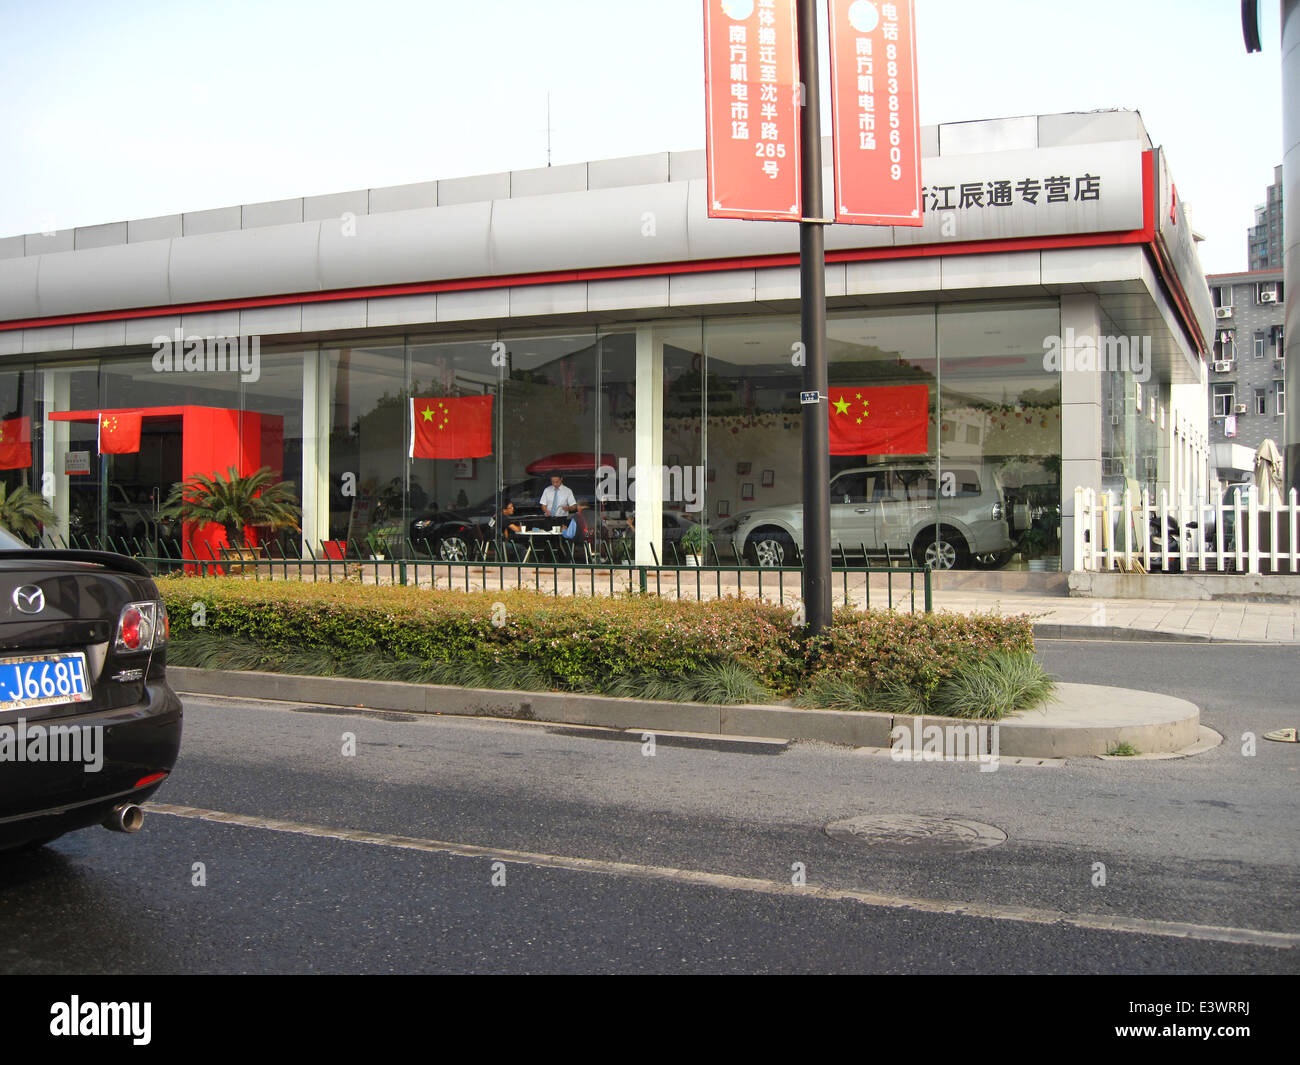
(43, 680)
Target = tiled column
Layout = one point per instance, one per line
(1081, 410)
(57, 393)
(649, 444)
(315, 451)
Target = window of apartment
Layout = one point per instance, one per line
(1224, 398)
(1222, 295)
(1259, 345)
(1261, 401)
(1225, 346)
(1275, 340)
(1268, 292)
(1280, 389)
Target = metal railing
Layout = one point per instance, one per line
(894, 585)
(1136, 533)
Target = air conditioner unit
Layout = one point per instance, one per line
(1222, 367)
(1268, 296)
(1240, 408)
(1223, 312)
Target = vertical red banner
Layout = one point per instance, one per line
(874, 113)
(751, 76)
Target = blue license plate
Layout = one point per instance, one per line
(43, 680)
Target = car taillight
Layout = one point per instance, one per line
(137, 626)
(164, 625)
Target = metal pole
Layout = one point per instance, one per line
(1291, 233)
(812, 314)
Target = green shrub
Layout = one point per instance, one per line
(988, 687)
(728, 650)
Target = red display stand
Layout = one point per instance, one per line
(213, 439)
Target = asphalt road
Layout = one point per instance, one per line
(452, 845)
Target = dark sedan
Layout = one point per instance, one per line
(89, 727)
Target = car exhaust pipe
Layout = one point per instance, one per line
(126, 817)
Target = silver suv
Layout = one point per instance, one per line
(944, 520)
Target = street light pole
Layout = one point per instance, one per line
(812, 315)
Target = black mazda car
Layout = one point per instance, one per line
(89, 727)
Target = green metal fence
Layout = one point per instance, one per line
(556, 572)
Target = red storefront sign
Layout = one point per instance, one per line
(874, 113)
(751, 74)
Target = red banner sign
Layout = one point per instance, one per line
(873, 105)
(751, 75)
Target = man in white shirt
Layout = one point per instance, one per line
(558, 500)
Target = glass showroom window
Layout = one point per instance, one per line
(883, 375)
(71, 387)
(367, 421)
(1000, 434)
(752, 419)
(549, 418)
(460, 374)
(20, 434)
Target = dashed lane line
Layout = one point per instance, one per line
(726, 881)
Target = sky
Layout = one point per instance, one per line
(120, 109)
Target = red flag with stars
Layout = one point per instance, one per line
(15, 444)
(119, 434)
(880, 420)
(443, 428)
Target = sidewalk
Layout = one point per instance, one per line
(1119, 619)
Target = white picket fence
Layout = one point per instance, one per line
(1237, 537)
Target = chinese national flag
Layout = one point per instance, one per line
(119, 434)
(883, 420)
(16, 444)
(451, 428)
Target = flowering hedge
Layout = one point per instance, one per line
(875, 649)
(583, 643)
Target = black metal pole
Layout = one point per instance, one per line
(812, 314)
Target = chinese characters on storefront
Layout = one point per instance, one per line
(1004, 193)
(751, 97)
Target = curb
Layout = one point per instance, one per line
(1083, 719)
(1119, 632)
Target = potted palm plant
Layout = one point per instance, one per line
(23, 512)
(234, 502)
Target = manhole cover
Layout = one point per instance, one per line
(917, 832)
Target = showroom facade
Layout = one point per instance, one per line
(1052, 306)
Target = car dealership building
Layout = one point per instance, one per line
(1052, 305)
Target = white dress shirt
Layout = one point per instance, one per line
(554, 500)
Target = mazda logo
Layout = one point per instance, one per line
(29, 599)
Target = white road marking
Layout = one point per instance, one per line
(1026, 914)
